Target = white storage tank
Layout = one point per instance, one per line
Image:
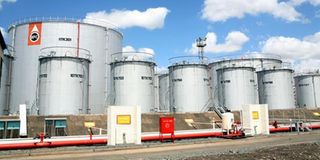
(63, 83)
(156, 92)
(276, 88)
(5, 83)
(133, 80)
(308, 90)
(164, 93)
(28, 37)
(189, 86)
(256, 61)
(236, 87)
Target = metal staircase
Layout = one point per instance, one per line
(213, 105)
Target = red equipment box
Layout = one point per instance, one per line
(166, 125)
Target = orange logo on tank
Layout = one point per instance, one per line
(34, 34)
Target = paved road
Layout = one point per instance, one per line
(179, 150)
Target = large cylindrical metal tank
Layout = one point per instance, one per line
(236, 87)
(5, 83)
(133, 81)
(189, 87)
(99, 40)
(276, 88)
(63, 85)
(257, 62)
(164, 93)
(156, 92)
(308, 90)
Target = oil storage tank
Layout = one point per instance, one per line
(156, 92)
(257, 61)
(236, 87)
(29, 36)
(63, 81)
(133, 74)
(189, 85)
(5, 83)
(276, 88)
(164, 93)
(308, 90)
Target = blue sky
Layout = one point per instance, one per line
(287, 28)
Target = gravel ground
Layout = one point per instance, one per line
(291, 152)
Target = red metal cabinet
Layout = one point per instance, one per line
(166, 126)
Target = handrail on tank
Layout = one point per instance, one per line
(243, 64)
(246, 56)
(306, 72)
(188, 60)
(65, 51)
(284, 65)
(132, 56)
(104, 23)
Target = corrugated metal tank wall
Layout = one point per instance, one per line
(100, 41)
(5, 84)
(63, 85)
(236, 87)
(114, 45)
(308, 90)
(276, 88)
(164, 99)
(257, 63)
(156, 92)
(133, 84)
(189, 87)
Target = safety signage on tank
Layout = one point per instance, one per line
(34, 34)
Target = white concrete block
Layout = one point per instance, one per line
(255, 119)
(124, 125)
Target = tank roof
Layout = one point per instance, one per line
(188, 64)
(132, 57)
(246, 57)
(65, 51)
(276, 69)
(93, 22)
(163, 75)
(136, 61)
(188, 60)
(241, 67)
(64, 57)
(307, 74)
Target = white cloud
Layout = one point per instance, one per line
(303, 53)
(4, 33)
(128, 49)
(293, 48)
(296, 2)
(132, 49)
(8, 1)
(161, 70)
(151, 18)
(233, 42)
(147, 50)
(299, 2)
(221, 10)
(315, 2)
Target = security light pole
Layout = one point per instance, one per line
(201, 43)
